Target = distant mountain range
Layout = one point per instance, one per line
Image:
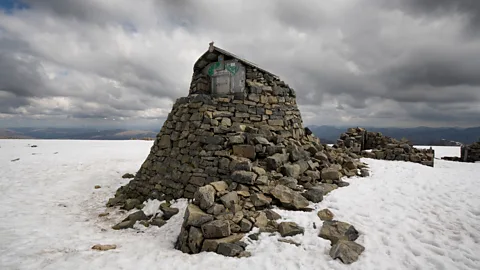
(75, 133)
(327, 134)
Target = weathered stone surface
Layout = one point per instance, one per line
(314, 194)
(275, 161)
(195, 239)
(128, 175)
(169, 212)
(331, 174)
(212, 244)
(272, 215)
(230, 199)
(194, 216)
(205, 197)
(219, 185)
(347, 251)
(290, 229)
(139, 215)
(289, 198)
(159, 222)
(244, 177)
(244, 150)
(216, 229)
(337, 230)
(124, 225)
(291, 170)
(229, 249)
(245, 225)
(104, 247)
(131, 203)
(325, 214)
(260, 200)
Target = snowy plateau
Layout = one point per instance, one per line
(409, 216)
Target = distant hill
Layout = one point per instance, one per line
(327, 134)
(417, 135)
(81, 133)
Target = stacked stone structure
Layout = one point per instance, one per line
(236, 145)
(383, 147)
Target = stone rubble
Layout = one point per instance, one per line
(359, 141)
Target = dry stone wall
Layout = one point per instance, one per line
(471, 153)
(384, 147)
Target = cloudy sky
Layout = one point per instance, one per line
(122, 63)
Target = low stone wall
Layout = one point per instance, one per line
(470, 153)
(384, 147)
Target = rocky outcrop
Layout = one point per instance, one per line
(359, 140)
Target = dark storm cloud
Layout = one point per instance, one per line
(369, 62)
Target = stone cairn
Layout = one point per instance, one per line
(383, 147)
(236, 156)
(469, 153)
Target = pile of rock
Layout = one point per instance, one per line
(383, 147)
(342, 236)
(236, 155)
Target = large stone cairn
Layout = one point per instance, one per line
(471, 153)
(383, 147)
(237, 156)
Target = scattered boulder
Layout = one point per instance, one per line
(104, 247)
(169, 212)
(346, 251)
(325, 215)
(159, 222)
(290, 229)
(337, 230)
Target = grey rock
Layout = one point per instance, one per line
(260, 200)
(212, 244)
(128, 175)
(337, 230)
(139, 215)
(245, 225)
(229, 199)
(325, 215)
(291, 170)
(314, 194)
(216, 229)
(229, 249)
(169, 212)
(205, 197)
(347, 251)
(216, 209)
(364, 172)
(194, 216)
(254, 236)
(290, 229)
(159, 222)
(124, 225)
(276, 161)
(331, 174)
(289, 198)
(244, 177)
(195, 239)
(272, 215)
(131, 203)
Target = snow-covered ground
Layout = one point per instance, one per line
(409, 216)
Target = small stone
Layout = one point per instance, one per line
(128, 175)
(289, 241)
(212, 244)
(97, 186)
(216, 209)
(289, 198)
(159, 222)
(244, 177)
(337, 230)
(216, 229)
(244, 254)
(325, 215)
(104, 247)
(364, 173)
(258, 170)
(144, 223)
(331, 174)
(346, 251)
(103, 214)
(254, 236)
(229, 249)
(290, 229)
